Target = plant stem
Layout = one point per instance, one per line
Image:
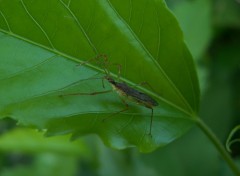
(219, 146)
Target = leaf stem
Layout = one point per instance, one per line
(219, 146)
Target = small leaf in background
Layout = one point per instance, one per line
(230, 141)
(31, 141)
(197, 27)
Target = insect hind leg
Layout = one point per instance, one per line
(91, 93)
(151, 122)
(118, 112)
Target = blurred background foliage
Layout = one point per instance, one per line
(212, 33)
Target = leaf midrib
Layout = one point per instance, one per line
(95, 68)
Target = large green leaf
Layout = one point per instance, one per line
(41, 43)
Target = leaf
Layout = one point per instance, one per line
(42, 42)
(231, 141)
(29, 140)
(196, 26)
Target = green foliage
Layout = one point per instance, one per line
(40, 155)
(31, 82)
(31, 141)
(42, 42)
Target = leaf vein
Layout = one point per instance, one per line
(29, 68)
(41, 46)
(35, 21)
(130, 11)
(80, 26)
(142, 18)
(164, 73)
(6, 21)
(191, 83)
(69, 3)
(159, 35)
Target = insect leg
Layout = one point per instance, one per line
(123, 110)
(119, 70)
(151, 121)
(107, 64)
(97, 60)
(92, 93)
(103, 83)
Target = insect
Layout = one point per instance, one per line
(126, 92)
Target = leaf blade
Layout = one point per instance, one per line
(52, 72)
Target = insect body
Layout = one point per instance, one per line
(126, 93)
(133, 95)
